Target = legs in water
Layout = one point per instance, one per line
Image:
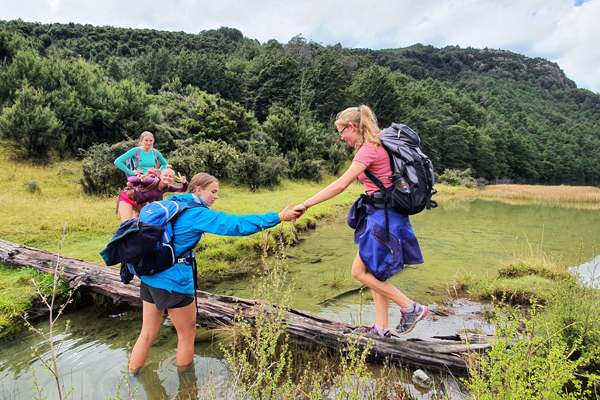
(382, 293)
(184, 320)
(151, 320)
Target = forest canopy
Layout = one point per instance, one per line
(72, 89)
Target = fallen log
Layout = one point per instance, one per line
(217, 311)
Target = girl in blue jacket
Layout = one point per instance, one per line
(173, 289)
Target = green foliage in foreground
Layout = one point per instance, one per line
(528, 360)
(546, 352)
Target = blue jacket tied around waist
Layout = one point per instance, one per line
(383, 257)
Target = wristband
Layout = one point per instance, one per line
(305, 206)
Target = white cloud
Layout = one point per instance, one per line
(553, 29)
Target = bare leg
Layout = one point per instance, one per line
(184, 320)
(151, 320)
(382, 305)
(125, 211)
(385, 289)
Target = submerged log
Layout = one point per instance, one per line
(218, 311)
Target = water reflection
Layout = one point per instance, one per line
(589, 273)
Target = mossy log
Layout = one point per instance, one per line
(217, 311)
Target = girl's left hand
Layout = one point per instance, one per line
(182, 179)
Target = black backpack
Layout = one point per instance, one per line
(145, 244)
(412, 174)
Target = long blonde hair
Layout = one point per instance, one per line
(201, 180)
(364, 120)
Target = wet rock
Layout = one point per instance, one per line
(421, 379)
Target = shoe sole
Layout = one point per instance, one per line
(423, 315)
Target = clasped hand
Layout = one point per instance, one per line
(289, 214)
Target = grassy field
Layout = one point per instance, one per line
(582, 197)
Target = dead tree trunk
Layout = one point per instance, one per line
(218, 311)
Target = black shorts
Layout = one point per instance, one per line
(163, 299)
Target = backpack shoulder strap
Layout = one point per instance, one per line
(190, 204)
(156, 164)
(137, 157)
(373, 178)
(148, 188)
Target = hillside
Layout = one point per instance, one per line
(501, 114)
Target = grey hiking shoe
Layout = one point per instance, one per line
(372, 331)
(408, 320)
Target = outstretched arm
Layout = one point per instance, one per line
(220, 223)
(334, 188)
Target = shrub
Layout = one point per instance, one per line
(100, 175)
(32, 187)
(527, 360)
(212, 157)
(30, 126)
(249, 169)
(455, 177)
(304, 169)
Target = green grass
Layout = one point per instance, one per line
(17, 290)
(18, 294)
(519, 280)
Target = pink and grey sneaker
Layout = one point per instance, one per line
(372, 331)
(408, 320)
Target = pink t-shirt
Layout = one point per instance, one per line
(378, 162)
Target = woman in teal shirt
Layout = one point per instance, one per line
(149, 158)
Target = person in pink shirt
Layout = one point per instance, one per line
(380, 255)
(146, 189)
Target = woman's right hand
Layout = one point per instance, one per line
(138, 171)
(288, 214)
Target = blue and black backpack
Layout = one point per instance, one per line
(144, 245)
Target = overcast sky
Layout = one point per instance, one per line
(563, 31)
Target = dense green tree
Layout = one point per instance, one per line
(276, 84)
(323, 86)
(501, 114)
(126, 112)
(284, 129)
(30, 125)
(220, 119)
(375, 88)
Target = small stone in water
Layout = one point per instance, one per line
(421, 379)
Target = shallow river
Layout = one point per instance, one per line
(460, 235)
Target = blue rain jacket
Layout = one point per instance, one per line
(189, 228)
